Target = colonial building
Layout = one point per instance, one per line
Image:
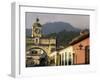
(45, 44)
(77, 52)
(81, 48)
(63, 56)
(42, 50)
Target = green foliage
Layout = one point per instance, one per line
(64, 37)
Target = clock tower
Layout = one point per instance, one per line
(39, 44)
(36, 29)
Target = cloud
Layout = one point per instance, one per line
(78, 21)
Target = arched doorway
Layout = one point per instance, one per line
(36, 57)
(69, 60)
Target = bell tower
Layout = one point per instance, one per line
(36, 29)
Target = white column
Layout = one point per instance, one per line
(64, 58)
(67, 57)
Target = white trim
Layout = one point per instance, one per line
(18, 40)
(15, 40)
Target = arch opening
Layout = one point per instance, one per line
(36, 57)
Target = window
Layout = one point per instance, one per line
(87, 55)
(33, 51)
(36, 40)
(53, 49)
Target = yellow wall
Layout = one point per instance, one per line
(47, 41)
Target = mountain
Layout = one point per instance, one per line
(56, 27)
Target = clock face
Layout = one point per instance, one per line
(37, 31)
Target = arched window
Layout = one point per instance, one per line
(37, 41)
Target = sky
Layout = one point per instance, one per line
(78, 21)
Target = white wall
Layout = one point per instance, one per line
(5, 40)
(68, 51)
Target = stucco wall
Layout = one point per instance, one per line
(80, 53)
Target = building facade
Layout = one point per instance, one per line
(42, 50)
(76, 53)
(39, 45)
(63, 56)
(81, 49)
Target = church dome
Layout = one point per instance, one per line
(37, 24)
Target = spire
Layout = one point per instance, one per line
(37, 19)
